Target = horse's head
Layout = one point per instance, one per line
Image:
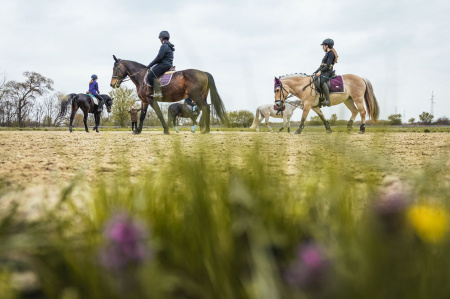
(108, 103)
(118, 73)
(280, 93)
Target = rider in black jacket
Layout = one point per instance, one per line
(162, 63)
(325, 71)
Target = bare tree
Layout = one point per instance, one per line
(38, 111)
(23, 94)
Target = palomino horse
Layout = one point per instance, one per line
(266, 111)
(181, 110)
(187, 83)
(86, 104)
(356, 90)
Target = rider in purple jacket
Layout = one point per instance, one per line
(93, 89)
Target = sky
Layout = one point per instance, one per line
(402, 47)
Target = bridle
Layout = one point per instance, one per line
(290, 95)
(124, 79)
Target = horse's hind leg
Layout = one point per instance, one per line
(289, 124)
(360, 104)
(74, 111)
(85, 116)
(322, 117)
(351, 106)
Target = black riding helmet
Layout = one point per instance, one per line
(164, 35)
(329, 42)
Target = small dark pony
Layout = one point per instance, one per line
(182, 110)
(86, 104)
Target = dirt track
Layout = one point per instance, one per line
(46, 158)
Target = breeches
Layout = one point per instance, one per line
(157, 71)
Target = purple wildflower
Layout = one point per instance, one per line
(310, 268)
(126, 243)
(391, 204)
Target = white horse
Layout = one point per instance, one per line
(266, 111)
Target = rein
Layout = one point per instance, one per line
(115, 75)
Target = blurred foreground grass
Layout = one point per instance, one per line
(192, 230)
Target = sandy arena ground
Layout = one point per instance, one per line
(47, 158)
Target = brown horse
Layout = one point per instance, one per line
(187, 83)
(357, 90)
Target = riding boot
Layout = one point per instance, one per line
(326, 92)
(156, 89)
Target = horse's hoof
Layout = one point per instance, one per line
(193, 131)
(289, 130)
(329, 131)
(297, 132)
(166, 133)
(361, 132)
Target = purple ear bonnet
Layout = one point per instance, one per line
(276, 84)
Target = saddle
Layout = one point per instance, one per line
(335, 84)
(164, 79)
(94, 99)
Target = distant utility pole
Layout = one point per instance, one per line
(432, 104)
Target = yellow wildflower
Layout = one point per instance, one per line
(429, 222)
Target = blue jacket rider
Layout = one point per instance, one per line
(93, 89)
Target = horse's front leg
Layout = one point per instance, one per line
(97, 120)
(194, 124)
(284, 124)
(144, 108)
(155, 107)
(322, 117)
(304, 116)
(289, 124)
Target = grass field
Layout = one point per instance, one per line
(231, 214)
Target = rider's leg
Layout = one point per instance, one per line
(100, 103)
(326, 92)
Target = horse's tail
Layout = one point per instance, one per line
(216, 101)
(255, 120)
(65, 103)
(170, 117)
(371, 101)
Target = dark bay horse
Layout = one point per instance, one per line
(187, 83)
(181, 110)
(86, 104)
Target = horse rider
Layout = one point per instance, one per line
(189, 102)
(133, 114)
(161, 64)
(325, 71)
(93, 90)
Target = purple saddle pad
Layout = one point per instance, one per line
(165, 79)
(337, 84)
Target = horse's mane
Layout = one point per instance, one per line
(134, 62)
(293, 76)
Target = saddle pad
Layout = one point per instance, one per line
(164, 79)
(93, 99)
(275, 107)
(337, 84)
